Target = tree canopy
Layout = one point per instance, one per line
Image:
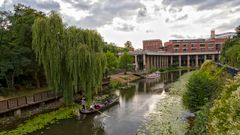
(126, 61)
(71, 57)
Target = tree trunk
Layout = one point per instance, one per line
(12, 80)
(38, 85)
(7, 81)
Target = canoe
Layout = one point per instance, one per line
(104, 107)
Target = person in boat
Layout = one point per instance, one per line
(83, 102)
(107, 102)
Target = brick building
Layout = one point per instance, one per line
(152, 45)
(195, 45)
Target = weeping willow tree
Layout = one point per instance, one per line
(72, 58)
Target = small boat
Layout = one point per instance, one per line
(153, 75)
(101, 106)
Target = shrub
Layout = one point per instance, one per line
(200, 122)
(224, 116)
(115, 84)
(200, 88)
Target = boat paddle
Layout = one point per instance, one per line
(102, 113)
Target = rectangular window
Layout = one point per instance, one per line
(210, 49)
(184, 50)
(176, 45)
(194, 45)
(210, 45)
(202, 49)
(202, 45)
(175, 50)
(194, 49)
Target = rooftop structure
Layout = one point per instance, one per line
(152, 45)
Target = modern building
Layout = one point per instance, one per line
(226, 35)
(213, 44)
(152, 45)
(185, 52)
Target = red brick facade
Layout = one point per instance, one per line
(195, 45)
(152, 45)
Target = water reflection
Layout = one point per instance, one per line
(136, 102)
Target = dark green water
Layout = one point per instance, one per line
(125, 118)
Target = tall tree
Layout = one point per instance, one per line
(128, 44)
(71, 57)
(126, 62)
(112, 61)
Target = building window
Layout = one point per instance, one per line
(184, 45)
(210, 45)
(175, 50)
(184, 50)
(194, 45)
(202, 45)
(210, 49)
(176, 45)
(202, 49)
(194, 49)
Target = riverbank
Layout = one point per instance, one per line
(168, 117)
(124, 78)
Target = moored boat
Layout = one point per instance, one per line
(101, 106)
(153, 75)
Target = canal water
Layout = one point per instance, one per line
(125, 118)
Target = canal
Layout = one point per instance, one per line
(125, 118)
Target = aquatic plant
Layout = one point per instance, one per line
(42, 120)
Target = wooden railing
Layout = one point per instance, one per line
(24, 101)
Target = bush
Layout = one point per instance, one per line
(200, 122)
(200, 88)
(115, 84)
(224, 116)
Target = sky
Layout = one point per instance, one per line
(137, 20)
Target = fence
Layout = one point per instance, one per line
(24, 101)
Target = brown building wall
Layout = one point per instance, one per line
(152, 45)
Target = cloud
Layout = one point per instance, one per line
(201, 4)
(149, 31)
(231, 25)
(142, 12)
(184, 17)
(125, 27)
(103, 12)
(37, 4)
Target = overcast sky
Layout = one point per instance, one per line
(136, 20)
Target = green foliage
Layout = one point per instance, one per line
(200, 122)
(200, 88)
(113, 48)
(224, 116)
(115, 84)
(41, 121)
(71, 57)
(231, 51)
(126, 61)
(16, 54)
(112, 61)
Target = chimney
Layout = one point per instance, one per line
(212, 34)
